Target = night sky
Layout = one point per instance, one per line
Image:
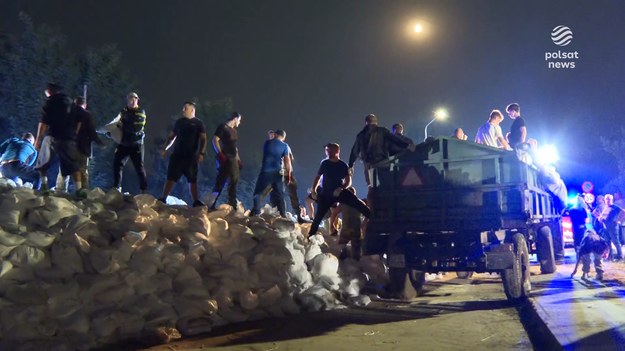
(316, 68)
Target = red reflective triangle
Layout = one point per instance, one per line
(412, 178)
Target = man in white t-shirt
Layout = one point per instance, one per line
(490, 132)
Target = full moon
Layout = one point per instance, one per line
(418, 28)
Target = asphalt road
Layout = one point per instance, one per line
(453, 314)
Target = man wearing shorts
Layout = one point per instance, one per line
(56, 137)
(189, 139)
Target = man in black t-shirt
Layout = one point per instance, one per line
(228, 161)
(56, 137)
(335, 179)
(189, 135)
(518, 132)
(86, 135)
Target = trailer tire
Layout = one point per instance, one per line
(464, 275)
(400, 284)
(545, 251)
(516, 280)
(417, 279)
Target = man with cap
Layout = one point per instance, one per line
(228, 162)
(56, 137)
(131, 121)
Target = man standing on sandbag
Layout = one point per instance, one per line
(275, 154)
(131, 121)
(189, 137)
(289, 182)
(86, 135)
(18, 157)
(228, 161)
(335, 178)
(56, 137)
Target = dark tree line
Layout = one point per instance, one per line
(40, 54)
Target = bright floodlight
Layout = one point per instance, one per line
(440, 113)
(418, 28)
(548, 154)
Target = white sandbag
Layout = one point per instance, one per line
(200, 224)
(27, 256)
(31, 293)
(5, 250)
(269, 297)
(39, 239)
(10, 217)
(5, 267)
(194, 325)
(145, 200)
(8, 239)
(248, 300)
(187, 277)
(102, 261)
(65, 257)
(325, 265)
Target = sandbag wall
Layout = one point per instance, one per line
(82, 274)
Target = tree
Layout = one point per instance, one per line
(39, 55)
(616, 148)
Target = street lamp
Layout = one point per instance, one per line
(438, 114)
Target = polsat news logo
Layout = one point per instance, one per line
(561, 36)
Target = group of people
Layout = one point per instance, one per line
(490, 132)
(65, 132)
(596, 230)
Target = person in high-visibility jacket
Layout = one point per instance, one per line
(131, 120)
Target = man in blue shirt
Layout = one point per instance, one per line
(275, 152)
(18, 157)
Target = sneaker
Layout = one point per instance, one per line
(81, 193)
(198, 203)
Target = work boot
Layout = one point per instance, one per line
(584, 276)
(81, 193)
(599, 276)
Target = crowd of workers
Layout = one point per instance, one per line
(67, 130)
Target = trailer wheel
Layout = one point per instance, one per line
(401, 284)
(417, 279)
(545, 250)
(516, 280)
(464, 275)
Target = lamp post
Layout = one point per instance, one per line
(438, 114)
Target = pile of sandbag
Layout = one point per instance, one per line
(82, 274)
